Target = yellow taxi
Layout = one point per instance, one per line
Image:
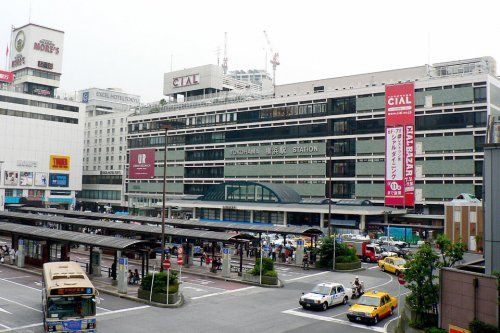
(372, 307)
(394, 265)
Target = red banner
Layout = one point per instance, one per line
(7, 77)
(400, 145)
(142, 163)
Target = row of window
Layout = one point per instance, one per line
(37, 73)
(39, 116)
(100, 122)
(95, 194)
(36, 103)
(102, 179)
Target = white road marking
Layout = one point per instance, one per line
(123, 310)
(20, 284)
(193, 288)
(3, 310)
(18, 277)
(223, 292)
(104, 309)
(21, 327)
(38, 283)
(306, 276)
(387, 324)
(4, 326)
(20, 304)
(373, 267)
(334, 320)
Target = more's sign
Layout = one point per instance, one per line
(58, 162)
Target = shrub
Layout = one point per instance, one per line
(271, 274)
(267, 265)
(477, 326)
(160, 283)
(346, 259)
(435, 330)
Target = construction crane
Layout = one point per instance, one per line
(224, 60)
(275, 60)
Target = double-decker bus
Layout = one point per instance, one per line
(68, 298)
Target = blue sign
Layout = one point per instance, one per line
(123, 261)
(197, 249)
(300, 242)
(226, 250)
(21, 242)
(85, 97)
(265, 248)
(58, 179)
(339, 240)
(167, 250)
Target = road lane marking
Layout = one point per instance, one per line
(18, 277)
(5, 326)
(20, 284)
(123, 310)
(333, 320)
(3, 310)
(306, 276)
(20, 304)
(223, 292)
(21, 327)
(373, 267)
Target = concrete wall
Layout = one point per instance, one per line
(492, 208)
(457, 298)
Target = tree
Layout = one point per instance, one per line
(163, 102)
(451, 252)
(419, 276)
(326, 252)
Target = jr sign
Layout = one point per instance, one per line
(400, 145)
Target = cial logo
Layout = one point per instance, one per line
(141, 158)
(19, 41)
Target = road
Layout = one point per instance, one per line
(226, 307)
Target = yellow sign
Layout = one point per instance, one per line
(455, 329)
(60, 163)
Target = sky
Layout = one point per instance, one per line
(130, 44)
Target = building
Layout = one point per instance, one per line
(255, 76)
(104, 151)
(319, 136)
(464, 221)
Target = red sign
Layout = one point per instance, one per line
(142, 163)
(400, 145)
(180, 262)
(7, 77)
(166, 264)
(401, 279)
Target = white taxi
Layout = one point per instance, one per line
(324, 295)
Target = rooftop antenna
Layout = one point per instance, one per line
(224, 60)
(217, 51)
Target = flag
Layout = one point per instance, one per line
(7, 51)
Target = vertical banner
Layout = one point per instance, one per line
(142, 163)
(400, 145)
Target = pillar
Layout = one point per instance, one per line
(169, 213)
(194, 212)
(251, 216)
(20, 253)
(285, 219)
(122, 275)
(95, 261)
(226, 262)
(322, 221)
(362, 222)
(221, 216)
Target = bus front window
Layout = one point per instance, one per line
(70, 306)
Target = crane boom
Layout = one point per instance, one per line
(224, 60)
(275, 57)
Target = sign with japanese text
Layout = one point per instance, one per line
(400, 145)
(142, 163)
(58, 162)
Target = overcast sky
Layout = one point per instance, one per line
(130, 44)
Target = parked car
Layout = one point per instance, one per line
(386, 240)
(394, 265)
(386, 252)
(402, 252)
(372, 307)
(324, 295)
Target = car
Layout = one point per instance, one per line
(386, 240)
(394, 265)
(372, 307)
(324, 295)
(386, 252)
(398, 251)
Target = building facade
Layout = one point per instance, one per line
(326, 135)
(105, 143)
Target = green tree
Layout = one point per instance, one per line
(163, 102)
(420, 280)
(451, 252)
(325, 252)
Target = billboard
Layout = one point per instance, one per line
(41, 179)
(34, 46)
(58, 162)
(58, 180)
(142, 163)
(11, 178)
(6, 77)
(26, 178)
(400, 145)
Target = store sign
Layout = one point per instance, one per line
(19, 41)
(58, 162)
(113, 97)
(142, 163)
(58, 180)
(45, 45)
(7, 77)
(400, 145)
(41, 92)
(27, 164)
(46, 65)
(184, 81)
(111, 172)
(18, 60)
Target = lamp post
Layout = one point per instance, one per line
(330, 227)
(164, 200)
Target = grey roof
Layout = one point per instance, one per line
(283, 193)
(131, 228)
(248, 227)
(69, 236)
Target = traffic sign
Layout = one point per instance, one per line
(265, 248)
(401, 279)
(166, 264)
(167, 250)
(180, 262)
(180, 250)
(226, 250)
(300, 242)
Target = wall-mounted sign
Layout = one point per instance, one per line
(26, 178)
(7, 77)
(46, 45)
(11, 178)
(41, 179)
(46, 65)
(184, 81)
(58, 162)
(19, 41)
(58, 180)
(113, 96)
(18, 60)
(111, 172)
(26, 164)
(142, 163)
(277, 150)
(41, 92)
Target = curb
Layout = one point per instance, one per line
(144, 301)
(234, 280)
(349, 270)
(22, 269)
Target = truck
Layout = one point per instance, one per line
(366, 251)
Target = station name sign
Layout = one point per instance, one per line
(184, 81)
(275, 150)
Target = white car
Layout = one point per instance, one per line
(385, 240)
(324, 295)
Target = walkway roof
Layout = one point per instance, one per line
(69, 236)
(190, 224)
(130, 228)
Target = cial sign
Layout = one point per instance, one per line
(184, 81)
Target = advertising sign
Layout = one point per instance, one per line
(58, 180)
(7, 77)
(58, 162)
(400, 145)
(456, 329)
(11, 178)
(26, 178)
(41, 179)
(142, 163)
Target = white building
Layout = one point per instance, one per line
(105, 145)
(41, 142)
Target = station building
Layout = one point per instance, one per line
(318, 138)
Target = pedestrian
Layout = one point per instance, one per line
(305, 261)
(113, 270)
(202, 259)
(130, 276)
(136, 278)
(12, 256)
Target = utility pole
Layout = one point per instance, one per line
(164, 201)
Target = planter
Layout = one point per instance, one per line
(159, 297)
(256, 279)
(347, 266)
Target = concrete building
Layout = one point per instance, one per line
(311, 131)
(104, 151)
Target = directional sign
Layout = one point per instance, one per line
(401, 279)
(167, 250)
(226, 250)
(300, 242)
(265, 248)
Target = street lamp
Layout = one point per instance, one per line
(330, 227)
(164, 200)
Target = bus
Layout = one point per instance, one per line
(68, 298)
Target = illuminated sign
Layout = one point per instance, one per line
(46, 65)
(45, 45)
(6, 77)
(184, 81)
(71, 291)
(58, 162)
(58, 180)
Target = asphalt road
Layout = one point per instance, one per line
(238, 308)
